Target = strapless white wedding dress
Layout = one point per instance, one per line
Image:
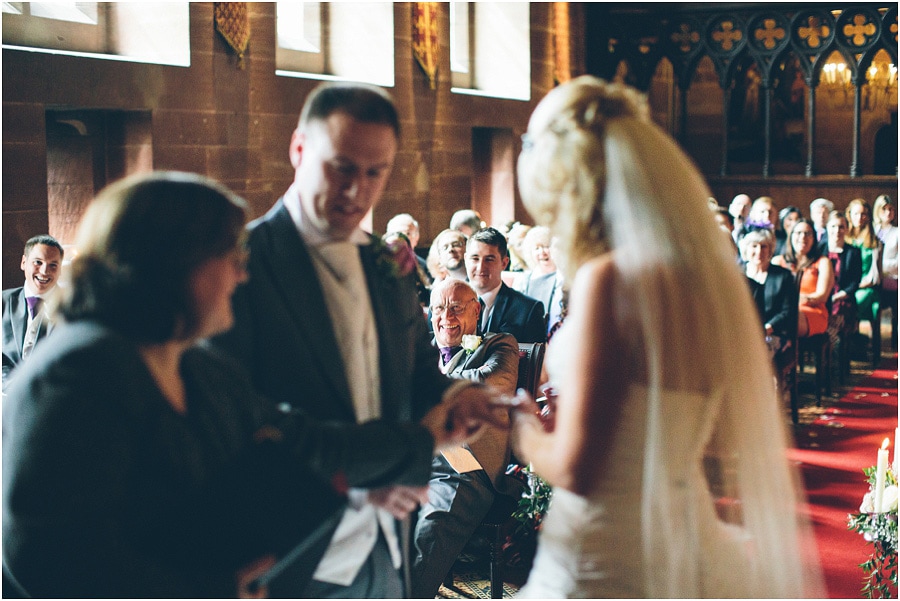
(592, 546)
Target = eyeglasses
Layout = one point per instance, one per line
(449, 245)
(456, 309)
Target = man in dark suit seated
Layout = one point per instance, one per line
(505, 309)
(464, 480)
(25, 318)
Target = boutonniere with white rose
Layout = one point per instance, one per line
(470, 342)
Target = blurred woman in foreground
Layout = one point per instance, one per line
(137, 463)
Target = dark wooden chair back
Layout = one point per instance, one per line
(531, 360)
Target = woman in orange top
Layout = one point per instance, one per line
(815, 277)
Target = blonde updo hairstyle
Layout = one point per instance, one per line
(561, 169)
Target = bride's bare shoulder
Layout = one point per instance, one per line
(599, 272)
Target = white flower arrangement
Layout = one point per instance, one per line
(470, 342)
(888, 501)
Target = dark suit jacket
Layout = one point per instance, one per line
(284, 338)
(519, 315)
(494, 362)
(108, 492)
(776, 301)
(15, 320)
(850, 270)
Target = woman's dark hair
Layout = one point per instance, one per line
(790, 255)
(785, 212)
(139, 243)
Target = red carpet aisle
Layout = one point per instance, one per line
(834, 445)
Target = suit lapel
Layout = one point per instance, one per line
(499, 309)
(295, 277)
(19, 320)
(386, 328)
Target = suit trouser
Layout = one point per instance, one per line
(457, 505)
(377, 579)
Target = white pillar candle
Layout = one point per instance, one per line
(881, 473)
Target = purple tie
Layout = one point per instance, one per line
(448, 352)
(34, 303)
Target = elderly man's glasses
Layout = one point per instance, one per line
(454, 244)
(455, 309)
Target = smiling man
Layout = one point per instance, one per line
(464, 481)
(505, 309)
(25, 318)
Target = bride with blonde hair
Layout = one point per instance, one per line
(666, 402)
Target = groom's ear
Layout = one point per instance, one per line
(295, 150)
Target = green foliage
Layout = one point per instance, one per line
(879, 529)
(533, 504)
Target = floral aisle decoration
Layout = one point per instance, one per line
(876, 521)
(528, 515)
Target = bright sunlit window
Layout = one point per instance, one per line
(490, 49)
(336, 40)
(150, 32)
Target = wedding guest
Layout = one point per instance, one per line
(539, 281)
(405, 224)
(861, 234)
(846, 261)
(884, 214)
(739, 210)
(423, 282)
(787, 217)
(119, 435)
(649, 375)
(505, 310)
(519, 258)
(774, 291)
(329, 322)
(819, 209)
(814, 275)
(26, 321)
(464, 480)
(449, 251)
(466, 221)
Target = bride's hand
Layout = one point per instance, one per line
(527, 422)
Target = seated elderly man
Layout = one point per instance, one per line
(463, 481)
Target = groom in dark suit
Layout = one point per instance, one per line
(329, 323)
(505, 309)
(464, 480)
(25, 318)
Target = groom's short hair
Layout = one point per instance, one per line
(364, 102)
